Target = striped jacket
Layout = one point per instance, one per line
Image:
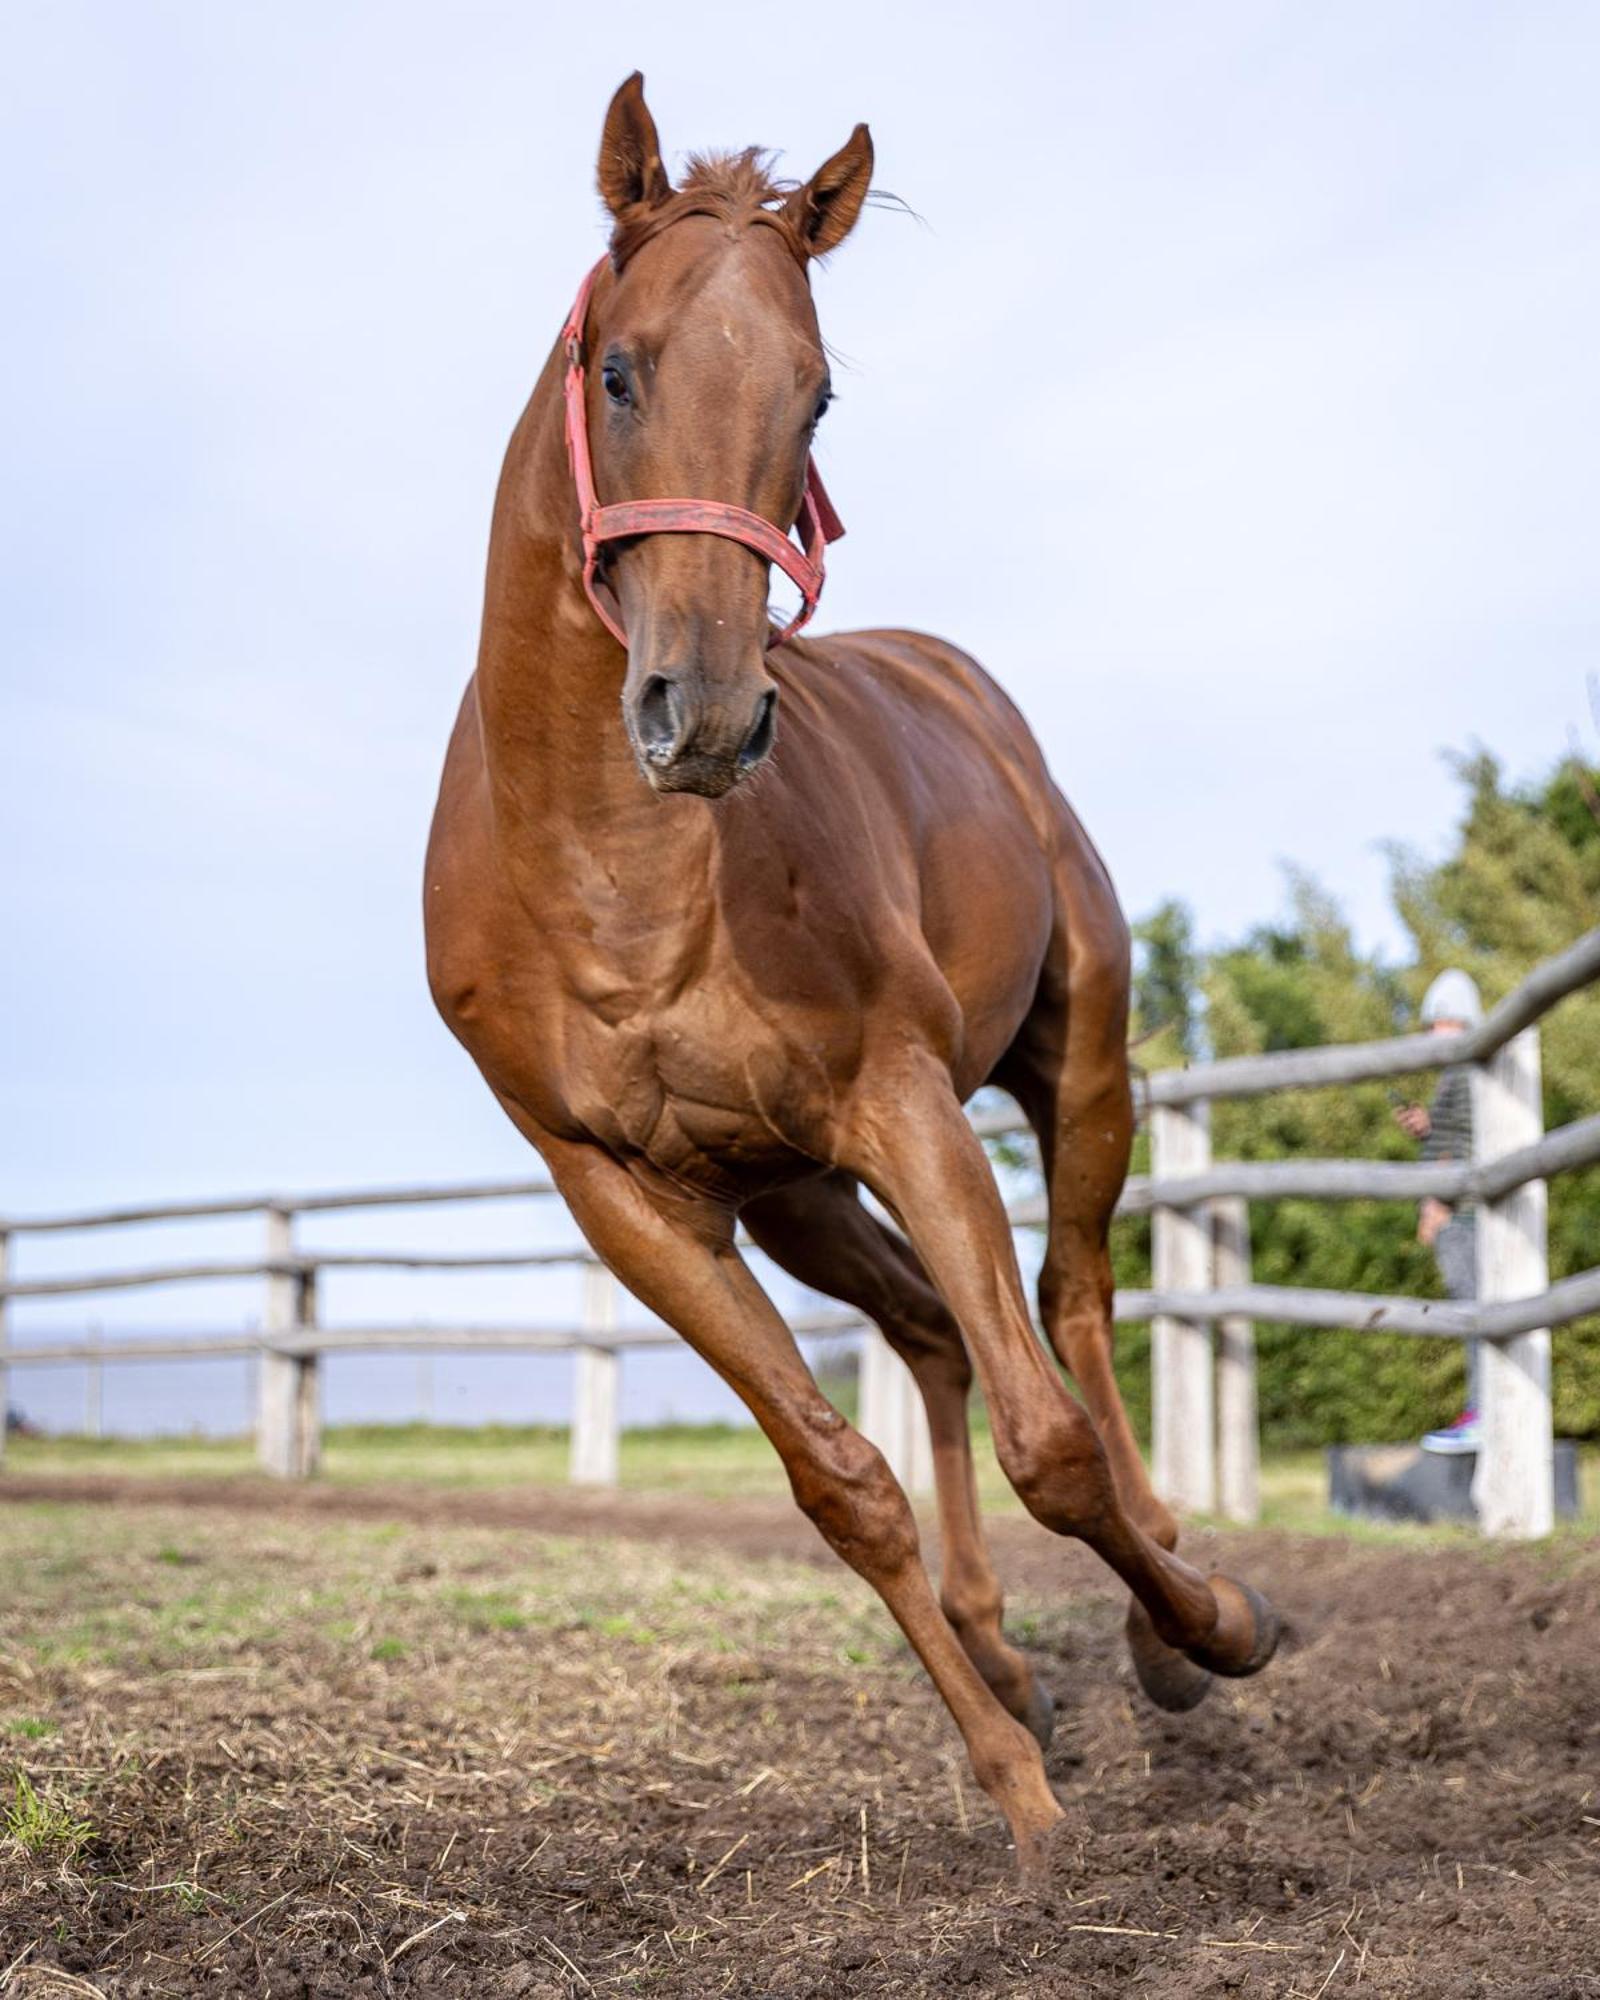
(1450, 1123)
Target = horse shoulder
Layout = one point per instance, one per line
(960, 789)
(454, 913)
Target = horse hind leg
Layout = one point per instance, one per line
(914, 1147)
(1069, 1072)
(820, 1233)
(1075, 1291)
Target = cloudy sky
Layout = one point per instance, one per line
(1234, 398)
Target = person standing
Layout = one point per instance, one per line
(1450, 1005)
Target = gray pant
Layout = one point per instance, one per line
(1455, 1251)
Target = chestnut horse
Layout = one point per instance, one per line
(733, 927)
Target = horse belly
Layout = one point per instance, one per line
(987, 912)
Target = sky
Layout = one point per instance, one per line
(1231, 393)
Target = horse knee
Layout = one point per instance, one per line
(1057, 1466)
(844, 1485)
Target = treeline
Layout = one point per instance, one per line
(1522, 882)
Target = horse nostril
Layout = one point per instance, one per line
(759, 741)
(658, 716)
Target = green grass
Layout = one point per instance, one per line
(41, 1825)
(720, 1461)
(87, 1591)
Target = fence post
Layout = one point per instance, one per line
(5, 1341)
(1514, 1485)
(1182, 1402)
(288, 1386)
(891, 1413)
(307, 1383)
(1238, 1424)
(94, 1394)
(594, 1387)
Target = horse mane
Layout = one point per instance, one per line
(737, 189)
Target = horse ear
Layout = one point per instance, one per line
(824, 211)
(630, 170)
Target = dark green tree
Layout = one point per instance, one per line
(1521, 882)
(1166, 982)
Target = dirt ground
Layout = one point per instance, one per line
(401, 1743)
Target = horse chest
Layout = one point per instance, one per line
(703, 1089)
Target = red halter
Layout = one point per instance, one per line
(818, 523)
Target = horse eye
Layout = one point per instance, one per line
(614, 382)
(821, 410)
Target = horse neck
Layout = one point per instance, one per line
(549, 675)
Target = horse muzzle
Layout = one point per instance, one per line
(691, 739)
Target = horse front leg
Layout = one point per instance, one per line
(678, 1258)
(915, 1149)
(819, 1233)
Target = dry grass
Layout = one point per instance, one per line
(361, 1733)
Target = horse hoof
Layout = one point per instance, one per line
(1043, 1854)
(1041, 1715)
(1246, 1634)
(1171, 1679)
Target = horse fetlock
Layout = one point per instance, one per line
(974, 1610)
(1022, 1695)
(1010, 1768)
(1041, 1713)
(1009, 1679)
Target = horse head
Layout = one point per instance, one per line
(699, 378)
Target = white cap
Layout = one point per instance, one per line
(1453, 996)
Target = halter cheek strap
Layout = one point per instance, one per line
(804, 566)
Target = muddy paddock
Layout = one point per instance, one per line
(396, 1744)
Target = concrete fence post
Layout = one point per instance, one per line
(1514, 1485)
(1238, 1423)
(1182, 1399)
(288, 1386)
(891, 1414)
(594, 1455)
(94, 1394)
(307, 1384)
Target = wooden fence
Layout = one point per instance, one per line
(1202, 1302)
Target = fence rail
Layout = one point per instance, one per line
(290, 1204)
(1202, 1303)
(1402, 1055)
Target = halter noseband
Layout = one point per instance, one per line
(818, 524)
